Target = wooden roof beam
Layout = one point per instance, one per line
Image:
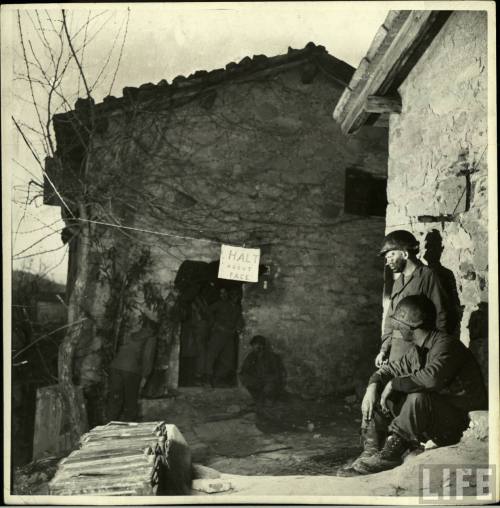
(392, 59)
(388, 104)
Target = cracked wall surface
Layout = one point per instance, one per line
(262, 163)
(438, 162)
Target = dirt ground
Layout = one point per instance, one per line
(293, 447)
(227, 432)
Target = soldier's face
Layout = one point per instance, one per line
(405, 330)
(407, 334)
(396, 260)
(258, 348)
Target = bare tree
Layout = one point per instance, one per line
(54, 72)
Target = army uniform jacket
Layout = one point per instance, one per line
(136, 354)
(443, 365)
(423, 281)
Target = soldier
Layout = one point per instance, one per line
(130, 370)
(262, 372)
(400, 250)
(426, 395)
(227, 323)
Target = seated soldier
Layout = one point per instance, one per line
(263, 373)
(426, 395)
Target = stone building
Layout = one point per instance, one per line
(426, 71)
(246, 155)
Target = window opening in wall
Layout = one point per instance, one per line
(211, 319)
(365, 193)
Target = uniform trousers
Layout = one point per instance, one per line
(123, 402)
(418, 417)
(221, 354)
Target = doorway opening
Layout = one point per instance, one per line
(211, 320)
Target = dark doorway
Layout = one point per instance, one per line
(210, 321)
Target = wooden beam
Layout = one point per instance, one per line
(376, 104)
(382, 121)
(391, 64)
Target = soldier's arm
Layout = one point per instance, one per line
(392, 370)
(439, 372)
(387, 333)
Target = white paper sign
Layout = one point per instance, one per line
(239, 263)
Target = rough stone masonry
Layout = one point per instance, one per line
(250, 156)
(437, 174)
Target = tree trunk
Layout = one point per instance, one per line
(72, 394)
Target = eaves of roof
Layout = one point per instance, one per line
(396, 48)
(335, 70)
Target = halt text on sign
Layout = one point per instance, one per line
(239, 263)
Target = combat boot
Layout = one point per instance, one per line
(389, 457)
(372, 440)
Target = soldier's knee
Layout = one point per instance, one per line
(417, 399)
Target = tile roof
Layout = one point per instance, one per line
(336, 70)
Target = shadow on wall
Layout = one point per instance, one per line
(478, 322)
(478, 332)
(432, 255)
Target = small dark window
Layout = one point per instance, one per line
(365, 194)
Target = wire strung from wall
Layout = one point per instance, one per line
(150, 231)
(172, 235)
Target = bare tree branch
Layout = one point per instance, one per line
(42, 252)
(121, 52)
(47, 335)
(17, 256)
(65, 25)
(26, 141)
(28, 74)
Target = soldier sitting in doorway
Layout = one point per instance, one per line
(426, 395)
(262, 372)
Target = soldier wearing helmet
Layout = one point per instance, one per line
(426, 395)
(400, 249)
(130, 369)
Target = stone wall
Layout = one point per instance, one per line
(259, 162)
(438, 162)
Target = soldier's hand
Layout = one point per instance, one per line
(369, 401)
(383, 398)
(381, 359)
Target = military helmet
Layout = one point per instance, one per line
(399, 240)
(415, 311)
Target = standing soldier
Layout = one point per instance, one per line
(130, 370)
(227, 322)
(400, 250)
(200, 317)
(157, 385)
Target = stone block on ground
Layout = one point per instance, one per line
(201, 472)
(52, 433)
(126, 458)
(478, 426)
(211, 486)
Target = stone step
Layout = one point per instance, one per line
(478, 426)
